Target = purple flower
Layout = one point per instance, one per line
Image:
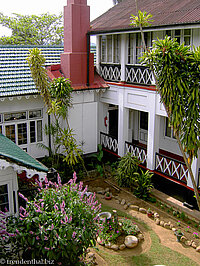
(55, 207)
(45, 238)
(22, 196)
(80, 186)
(59, 180)
(31, 232)
(74, 177)
(46, 248)
(74, 235)
(37, 238)
(52, 227)
(66, 219)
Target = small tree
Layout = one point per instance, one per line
(57, 97)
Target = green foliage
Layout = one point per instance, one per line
(126, 170)
(97, 160)
(129, 227)
(45, 29)
(144, 185)
(59, 224)
(177, 74)
(36, 63)
(142, 19)
(57, 97)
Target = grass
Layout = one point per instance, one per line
(157, 254)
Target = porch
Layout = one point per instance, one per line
(166, 166)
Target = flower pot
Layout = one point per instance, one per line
(178, 236)
(149, 214)
(108, 198)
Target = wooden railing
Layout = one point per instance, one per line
(109, 143)
(171, 167)
(139, 74)
(110, 72)
(137, 150)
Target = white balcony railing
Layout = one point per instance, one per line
(136, 150)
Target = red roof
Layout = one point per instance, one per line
(54, 71)
(165, 12)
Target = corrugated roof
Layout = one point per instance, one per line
(165, 12)
(15, 75)
(9, 150)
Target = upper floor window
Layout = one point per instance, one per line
(182, 35)
(110, 48)
(14, 116)
(168, 130)
(135, 46)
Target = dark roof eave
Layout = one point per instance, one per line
(145, 28)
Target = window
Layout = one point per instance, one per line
(110, 49)
(10, 132)
(168, 130)
(14, 116)
(0, 118)
(135, 46)
(144, 120)
(4, 200)
(22, 133)
(182, 35)
(35, 114)
(36, 131)
(1, 129)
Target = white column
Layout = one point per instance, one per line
(123, 56)
(153, 133)
(195, 170)
(98, 53)
(123, 119)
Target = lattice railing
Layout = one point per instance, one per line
(139, 74)
(108, 142)
(110, 72)
(171, 167)
(136, 150)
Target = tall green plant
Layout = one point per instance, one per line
(176, 72)
(126, 170)
(57, 97)
(143, 184)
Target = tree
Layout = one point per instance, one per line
(44, 29)
(176, 71)
(57, 97)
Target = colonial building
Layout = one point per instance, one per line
(132, 118)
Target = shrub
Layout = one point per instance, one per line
(59, 224)
(126, 171)
(128, 227)
(144, 185)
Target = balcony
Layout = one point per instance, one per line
(172, 168)
(139, 75)
(110, 72)
(134, 74)
(165, 165)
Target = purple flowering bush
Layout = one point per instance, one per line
(59, 224)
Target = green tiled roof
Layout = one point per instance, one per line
(15, 75)
(9, 150)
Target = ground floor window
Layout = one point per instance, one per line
(23, 132)
(4, 200)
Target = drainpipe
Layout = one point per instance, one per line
(49, 124)
(88, 59)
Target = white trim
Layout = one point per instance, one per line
(19, 169)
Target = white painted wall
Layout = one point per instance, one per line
(9, 177)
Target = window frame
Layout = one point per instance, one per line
(182, 35)
(110, 49)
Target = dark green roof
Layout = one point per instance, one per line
(15, 75)
(9, 150)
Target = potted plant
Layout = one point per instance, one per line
(108, 196)
(179, 234)
(149, 213)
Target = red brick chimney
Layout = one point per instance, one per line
(74, 58)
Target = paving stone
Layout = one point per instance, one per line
(194, 245)
(198, 249)
(125, 207)
(157, 221)
(115, 247)
(123, 202)
(131, 241)
(142, 210)
(134, 207)
(122, 247)
(162, 223)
